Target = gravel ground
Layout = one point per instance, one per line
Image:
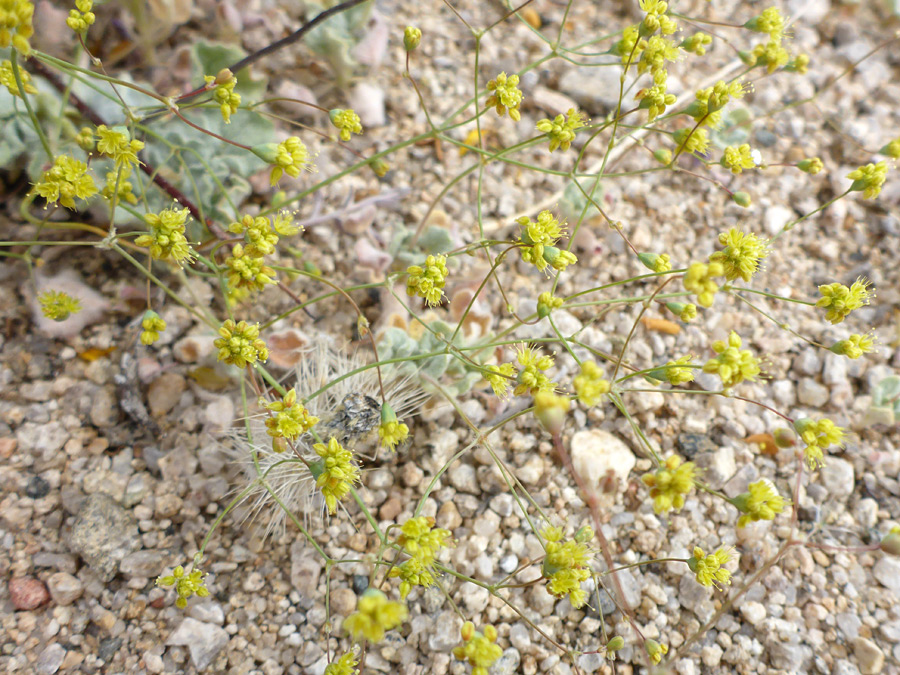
(117, 459)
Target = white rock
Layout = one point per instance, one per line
(753, 612)
(204, 640)
(838, 477)
(870, 657)
(367, 101)
(887, 571)
(596, 452)
(777, 217)
(812, 394)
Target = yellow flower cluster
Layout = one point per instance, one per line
(854, 346)
(566, 564)
(247, 273)
(656, 99)
(153, 325)
(868, 179)
(344, 665)
(500, 378)
(531, 377)
(374, 616)
(561, 130)
(708, 568)
(691, 139)
(422, 541)
(538, 239)
(58, 306)
(81, 18)
(656, 18)
(224, 94)
(115, 143)
(478, 648)
(118, 186)
(770, 54)
(697, 43)
(733, 365)
(738, 158)
(590, 385)
(707, 108)
(239, 344)
(291, 418)
(392, 432)
(15, 25)
(818, 435)
(8, 79)
(185, 585)
(166, 239)
(64, 182)
(684, 311)
(505, 95)
(741, 255)
(346, 121)
(428, 281)
(288, 157)
(547, 303)
(675, 372)
(670, 483)
(840, 300)
(335, 473)
(656, 262)
(699, 280)
(760, 502)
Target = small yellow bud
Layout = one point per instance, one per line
(411, 38)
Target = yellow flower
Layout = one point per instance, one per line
(840, 300)
(500, 378)
(374, 616)
(288, 157)
(551, 410)
(818, 435)
(738, 158)
(428, 281)
(547, 303)
(655, 650)
(224, 94)
(153, 325)
(655, 262)
(733, 364)
(892, 149)
(247, 271)
(708, 568)
(478, 648)
(344, 665)
(261, 239)
(185, 585)
(8, 79)
(685, 311)
(15, 25)
(697, 43)
(561, 130)
(531, 378)
(868, 179)
(115, 143)
(82, 17)
(771, 55)
(760, 502)
(336, 473)
(58, 306)
(118, 185)
(166, 239)
(346, 121)
(64, 182)
(812, 166)
(590, 385)
(854, 346)
(291, 418)
(655, 99)
(771, 21)
(741, 255)
(657, 51)
(691, 140)
(239, 344)
(392, 432)
(566, 565)
(505, 95)
(411, 38)
(699, 279)
(656, 18)
(675, 372)
(670, 483)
